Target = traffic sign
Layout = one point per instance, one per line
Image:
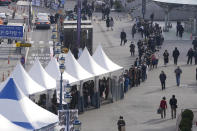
(11, 32)
(23, 44)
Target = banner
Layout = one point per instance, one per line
(67, 117)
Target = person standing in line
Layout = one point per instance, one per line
(163, 107)
(190, 55)
(111, 23)
(196, 73)
(133, 30)
(173, 105)
(107, 23)
(194, 43)
(121, 124)
(166, 57)
(162, 78)
(175, 55)
(195, 56)
(132, 49)
(178, 73)
(123, 37)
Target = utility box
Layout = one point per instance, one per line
(70, 35)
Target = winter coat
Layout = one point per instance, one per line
(178, 71)
(173, 102)
(176, 53)
(162, 77)
(190, 53)
(163, 104)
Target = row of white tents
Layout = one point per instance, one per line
(17, 108)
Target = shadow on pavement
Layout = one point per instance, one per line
(156, 121)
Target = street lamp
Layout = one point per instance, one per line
(77, 125)
(62, 68)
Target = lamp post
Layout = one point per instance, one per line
(62, 68)
(78, 22)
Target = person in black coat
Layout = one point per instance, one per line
(123, 37)
(194, 43)
(173, 105)
(107, 23)
(162, 78)
(195, 56)
(166, 57)
(190, 55)
(121, 123)
(175, 55)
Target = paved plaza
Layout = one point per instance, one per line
(139, 107)
(140, 104)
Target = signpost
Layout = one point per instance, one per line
(11, 32)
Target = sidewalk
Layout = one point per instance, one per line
(140, 104)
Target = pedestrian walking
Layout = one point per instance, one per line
(190, 55)
(166, 57)
(107, 23)
(162, 78)
(163, 107)
(121, 124)
(132, 48)
(175, 55)
(123, 37)
(178, 73)
(111, 23)
(173, 105)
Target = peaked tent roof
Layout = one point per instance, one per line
(75, 69)
(26, 113)
(53, 70)
(25, 82)
(101, 58)
(88, 63)
(38, 74)
(178, 2)
(6, 125)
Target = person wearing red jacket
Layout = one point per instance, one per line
(163, 106)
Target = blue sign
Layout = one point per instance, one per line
(11, 32)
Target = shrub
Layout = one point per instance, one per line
(186, 122)
(188, 114)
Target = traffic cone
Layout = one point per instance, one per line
(191, 37)
(3, 77)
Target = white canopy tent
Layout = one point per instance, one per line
(38, 74)
(75, 69)
(180, 2)
(25, 82)
(53, 70)
(20, 110)
(101, 59)
(88, 63)
(6, 125)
